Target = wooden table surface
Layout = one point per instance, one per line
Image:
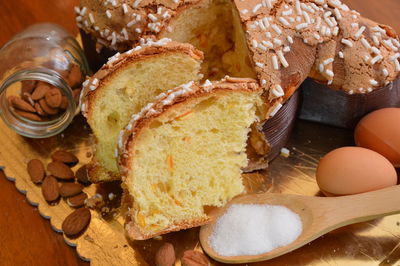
(26, 238)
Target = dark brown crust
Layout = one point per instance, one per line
(159, 108)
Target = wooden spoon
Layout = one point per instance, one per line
(319, 215)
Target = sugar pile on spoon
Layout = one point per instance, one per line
(252, 229)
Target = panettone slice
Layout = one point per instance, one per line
(184, 153)
(124, 86)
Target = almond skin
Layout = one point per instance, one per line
(21, 104)
(82, 175)
(78, 200)
(60, 170)
(76, 222)
(64, 103)
(36, 171)
(53, 97)
(64, 157)
(50, 189)
(46, 108)
(28, 98)
(165, 255)
(194, 258)
(40, 90)
(28, 115)
(39, 110)
(70, 189)
(28, 86)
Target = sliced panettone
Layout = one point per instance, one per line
(186, 152)
(124, 86)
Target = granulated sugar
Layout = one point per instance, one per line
(251, 229)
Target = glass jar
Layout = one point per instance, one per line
(41, 72)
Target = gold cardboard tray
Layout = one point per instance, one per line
(103, 243)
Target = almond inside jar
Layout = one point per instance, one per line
(40, 101)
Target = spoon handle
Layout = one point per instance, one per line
(341, 211)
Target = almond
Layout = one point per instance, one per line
(28, 86)
(194, 258)
(78, 200)
(70, 189)
(165, 255)
(40, 90)
(82, 175)
(64, 157)
(21, 104)
(36, 170)
(28, 115)
(76, 222)
(46, 108)
(53, 97)
(39, 110)
(28, 98)
(60, 170)
(50, 188)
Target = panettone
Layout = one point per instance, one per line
(185, 151)
(279, 43)
(124, 86)
(273, 45)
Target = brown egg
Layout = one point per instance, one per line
(380, 131)
(352, 170)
